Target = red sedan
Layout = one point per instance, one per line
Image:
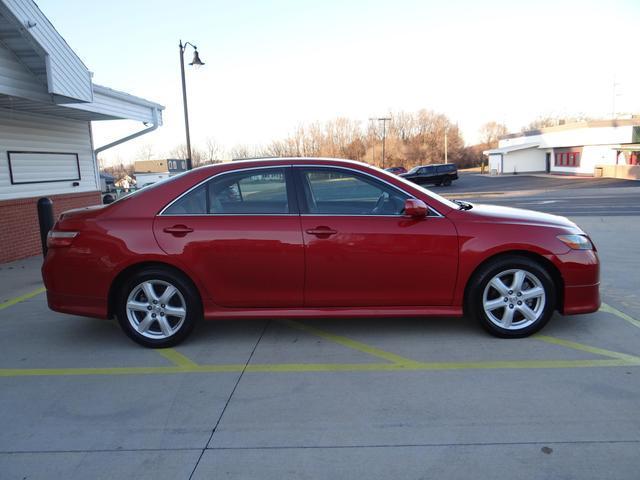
(306, 238)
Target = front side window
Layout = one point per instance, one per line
(338, 192)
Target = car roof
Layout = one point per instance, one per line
(275, 161)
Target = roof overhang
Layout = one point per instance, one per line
(511, 148)
(26, 31)
(633, 147)
(56, 82)
(107, 104)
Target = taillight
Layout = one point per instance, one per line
(56, 238)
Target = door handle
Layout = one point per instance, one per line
(321, 231)
(178, 230)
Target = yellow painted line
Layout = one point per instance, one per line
(434, 366)
(176, 358)
(609, 309)
(321, 367)
(19, 372)
(21, 298)
(586, 348)
(347, 342)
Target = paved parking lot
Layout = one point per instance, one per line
(401, 398)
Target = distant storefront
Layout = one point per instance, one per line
(608, 147)
(148, 172)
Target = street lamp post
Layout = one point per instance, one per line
(197, 62)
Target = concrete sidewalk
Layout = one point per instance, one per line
(21, 277)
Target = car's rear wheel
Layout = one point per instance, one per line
(513, 297)
(157, 308)
(446, 182)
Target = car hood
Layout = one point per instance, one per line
(501, 214)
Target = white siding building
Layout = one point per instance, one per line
(47, 104)
(585, 148)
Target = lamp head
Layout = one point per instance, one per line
(196, 59)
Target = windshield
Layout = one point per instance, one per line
(435, 196)
(414, 169)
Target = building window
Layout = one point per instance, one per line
(43, 167)
(567, 159)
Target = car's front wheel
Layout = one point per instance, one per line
(512, 297)
(157, 308)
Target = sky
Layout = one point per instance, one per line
(273, 65)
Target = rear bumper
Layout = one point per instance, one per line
(75, 305)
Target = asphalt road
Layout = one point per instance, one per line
(346, 398)
(567, 196)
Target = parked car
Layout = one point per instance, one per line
(436, 174)
(108, 188)
(302, 238)
(396, 170)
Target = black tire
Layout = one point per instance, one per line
(536, 276)
(185, 298)
(446, 182)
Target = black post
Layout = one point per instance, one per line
(45, 219)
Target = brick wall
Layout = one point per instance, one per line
(19, 231)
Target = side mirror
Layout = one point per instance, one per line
(415, 208)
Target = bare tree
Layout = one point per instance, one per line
(180, 152)
(491, 132)
(213, 151)
(554, 120)
(244, 151)
(145, 152)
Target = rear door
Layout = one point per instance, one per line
(362, 251)
(240, 234)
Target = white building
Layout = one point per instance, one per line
(605, 147)
(47, 104)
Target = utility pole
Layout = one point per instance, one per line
(373, 149)
(384, 121)
(445, 147)
(614, 94)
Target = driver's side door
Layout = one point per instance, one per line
(360, 250)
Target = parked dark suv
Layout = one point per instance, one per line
(435, 174)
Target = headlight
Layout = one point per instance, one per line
(576, 242)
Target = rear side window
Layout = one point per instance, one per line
(251, 192)
(244, 193)
(193, 203)
(446, 168)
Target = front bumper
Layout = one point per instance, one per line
(581, 299)
(580, 270)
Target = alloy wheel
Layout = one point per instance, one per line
(514, 299)
(156, 309)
